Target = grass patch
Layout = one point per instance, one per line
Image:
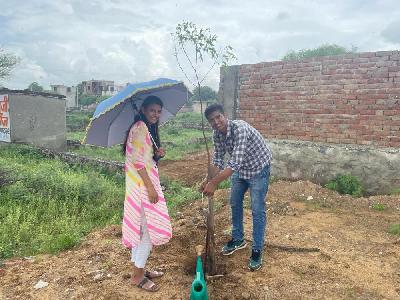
(47, 206)
(346, 184)
(75, 135)
(113, 153)
(179, 142)
(378, 206)
(177, 194)
(50, 206)
(188, 117)
(394, 229)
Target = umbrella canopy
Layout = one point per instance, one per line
(114, 116)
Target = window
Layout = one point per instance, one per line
(68, 90)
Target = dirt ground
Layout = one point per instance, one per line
(320, 245)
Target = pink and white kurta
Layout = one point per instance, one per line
(139, 155)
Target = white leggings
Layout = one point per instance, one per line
(141, 252)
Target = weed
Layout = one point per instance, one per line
(226, 184)
(177, 194)
(378, 206)
(346, 184)
(394, 229)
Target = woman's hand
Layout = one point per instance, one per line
(160, 152)
(153, 196)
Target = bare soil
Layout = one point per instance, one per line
(327, 247)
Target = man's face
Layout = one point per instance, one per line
(218, 121)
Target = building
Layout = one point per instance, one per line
(98, 87)
(33, 118)
(70, 93)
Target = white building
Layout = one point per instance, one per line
(113, 89)
(69, 92)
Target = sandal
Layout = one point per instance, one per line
(153, 274)
(152, 288)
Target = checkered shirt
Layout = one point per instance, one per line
(248, 152)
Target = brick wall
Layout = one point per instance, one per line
(346, 99)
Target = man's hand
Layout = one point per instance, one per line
(210, 189)
(153, 196)
(203, 185)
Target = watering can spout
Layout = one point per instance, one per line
(199, 287)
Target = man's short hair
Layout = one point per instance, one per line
(213, 107)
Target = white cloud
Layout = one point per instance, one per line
(129, 41)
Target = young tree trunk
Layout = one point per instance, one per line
(211, 268)
(210, 263)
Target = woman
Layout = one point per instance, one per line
(146, 221)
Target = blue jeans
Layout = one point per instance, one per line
(258, 186)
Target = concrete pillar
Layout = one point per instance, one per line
(228, 90)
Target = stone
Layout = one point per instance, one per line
(98, 277)
(41, 284)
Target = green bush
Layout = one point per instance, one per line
(78, 121)
(346, 184)
(394, 229)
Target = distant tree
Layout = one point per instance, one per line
(323, 50)
(35, 87)
(7, 63)
(86, 100)
(206, 94)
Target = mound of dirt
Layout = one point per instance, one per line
(320, 245)
(189, 171)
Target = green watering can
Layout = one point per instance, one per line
(199, 287)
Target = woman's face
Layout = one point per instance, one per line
(152, 113)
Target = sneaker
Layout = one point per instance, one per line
(255, 261)
(232, 246)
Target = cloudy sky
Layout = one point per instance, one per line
(67, 41)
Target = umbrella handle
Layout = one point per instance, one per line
(154, 143)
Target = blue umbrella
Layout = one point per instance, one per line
(114, 116)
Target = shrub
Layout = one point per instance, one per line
(346, 184)
(77, 121)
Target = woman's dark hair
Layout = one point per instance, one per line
(153, 128)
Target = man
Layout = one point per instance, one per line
(249, 168)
